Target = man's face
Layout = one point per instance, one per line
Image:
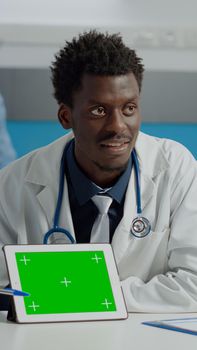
(105, 119)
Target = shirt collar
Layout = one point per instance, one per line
(85, 189)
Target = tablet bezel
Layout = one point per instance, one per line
(22, 317)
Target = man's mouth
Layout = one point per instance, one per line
(115, 146)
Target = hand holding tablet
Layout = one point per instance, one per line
(66, 282)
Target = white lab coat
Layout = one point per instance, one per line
(158, 272)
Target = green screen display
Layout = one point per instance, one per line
(65, 282)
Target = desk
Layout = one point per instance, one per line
(101, 335)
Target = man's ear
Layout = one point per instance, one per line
(64, 116)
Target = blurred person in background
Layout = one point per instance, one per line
(7, 152)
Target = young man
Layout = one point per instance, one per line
(97, 82)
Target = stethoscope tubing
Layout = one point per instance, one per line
(137, 178)
(61, 190)
(60, 230)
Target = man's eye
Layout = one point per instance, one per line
(129, 109)
(99, 111)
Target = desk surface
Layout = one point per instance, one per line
(103, 335)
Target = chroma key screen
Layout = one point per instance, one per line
(65, 282)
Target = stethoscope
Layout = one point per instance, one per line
(140, 226)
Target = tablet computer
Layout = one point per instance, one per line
(66, 282)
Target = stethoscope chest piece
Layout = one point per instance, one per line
(140, 227)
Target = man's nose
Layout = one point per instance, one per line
(115, 121)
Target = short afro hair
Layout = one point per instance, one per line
(92, 53)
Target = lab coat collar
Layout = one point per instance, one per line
(152, 160)
(52, 155)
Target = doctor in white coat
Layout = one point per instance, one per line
(158, 272)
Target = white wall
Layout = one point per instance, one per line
(163, 32)
(140, 12)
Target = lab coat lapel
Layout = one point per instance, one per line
(121, 237)
(65, 220)
(147, 189)
(48, 202)
(46, 199)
